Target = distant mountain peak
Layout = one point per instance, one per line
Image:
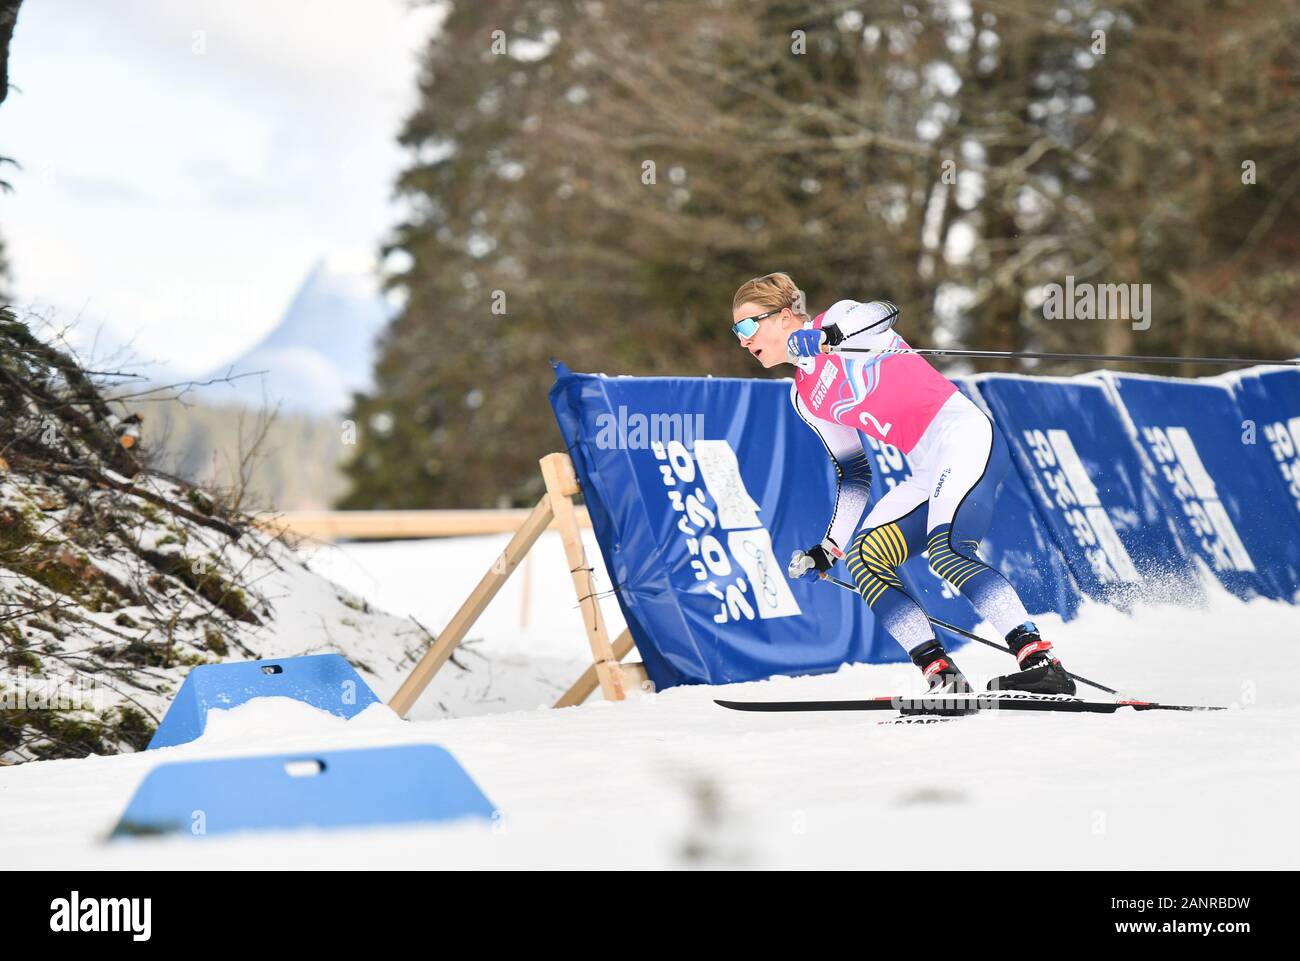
(323, 347)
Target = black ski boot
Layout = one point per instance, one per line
(942, 674)
(1040, 669)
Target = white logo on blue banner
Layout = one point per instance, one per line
(721, 472)
(751, 544)
(1195, 490)
(752, 550)
(1073, 493)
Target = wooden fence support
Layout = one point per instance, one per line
(561, 485)
(464, 618)
(634, 675)
(556, 506)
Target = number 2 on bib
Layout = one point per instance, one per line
(882, 428)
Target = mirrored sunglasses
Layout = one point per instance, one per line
(748, 326)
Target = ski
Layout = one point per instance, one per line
(952, 705)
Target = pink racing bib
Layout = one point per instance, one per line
(891, 397)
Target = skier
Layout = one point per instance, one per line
(957, 455)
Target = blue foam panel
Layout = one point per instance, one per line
(325, 681)
(332, 789)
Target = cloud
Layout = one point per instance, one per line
(185, 163)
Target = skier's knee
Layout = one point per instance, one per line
(955, 561)
(874, 558)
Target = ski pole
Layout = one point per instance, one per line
(1039, 355)
(974, 637)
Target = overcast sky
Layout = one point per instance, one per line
(186, 161)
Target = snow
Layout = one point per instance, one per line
(527, 647)
(672, 780)
(232, 727)
(430, 579)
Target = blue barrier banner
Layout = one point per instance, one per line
(1090, 487)
(1269, 400)
(699, 489)
(1217, 476)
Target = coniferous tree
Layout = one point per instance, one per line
(592, 182)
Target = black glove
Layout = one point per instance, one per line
(820, 559)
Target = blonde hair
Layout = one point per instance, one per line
(772, 291)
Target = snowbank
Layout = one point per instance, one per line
(671, 779)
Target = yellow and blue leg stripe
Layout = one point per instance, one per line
(953, 567)
(874, 559)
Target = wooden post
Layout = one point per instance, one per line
(561, 484)
(381, 525)
(634, 674)
(487, 588)
(556, 506)
(526, 595)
